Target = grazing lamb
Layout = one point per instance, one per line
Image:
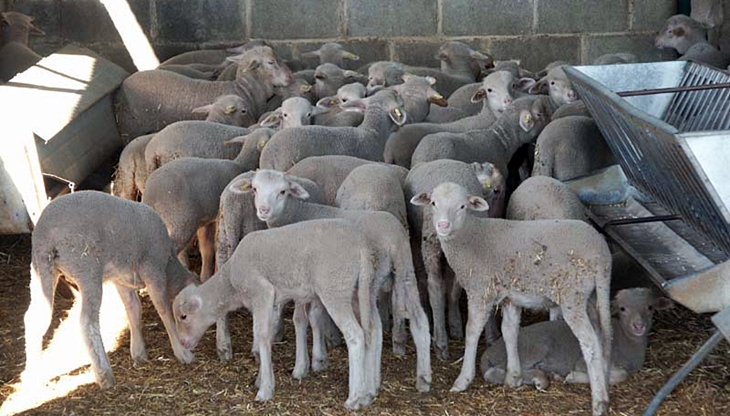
(318, 266)
(385, 110)
(186, 193)
(130, 176)
(535, 264)
(550, 348)
(520, 124)
(499, 92)
(329, 78)
(375, 187)
(427, 254)
(227, 109)
(689, 38)
(90, 237)
(279, 201)
(331, 53)
(150, 100)
(570, 147)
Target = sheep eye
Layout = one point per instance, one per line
(183, 317)
(622, 309)
(433, 204)
(272, 62)
(282, 192)
(651, 308)
(489, 90)
(244, 111)
(552, 82)
(254, 190)
(462, 207)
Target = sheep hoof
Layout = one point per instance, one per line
(319, 365)
(456, 332)
(399, 349)
(600, 408)
(513, 381)
(459, 385)
(224, 354)
(106, 380)
(140, 358)
(263, 396)
(299, 373)
(423, 385)
(185, 356)
(354, 403)
(494, 375)
(442, 353)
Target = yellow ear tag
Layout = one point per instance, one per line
(306, 88)
(528, 118)
(246, 186)
(261, 145)
(398, 113)
(230, 109)
(333, 102)
(438, 96)
(487, 184)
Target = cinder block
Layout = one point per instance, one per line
(537, 51)
(87, 21)
(392, 17)
(651, 15)
(423, 53)
(640, 45)
(495, 17)
(287, 19)
(200, 21)
(47, 14)
(593, 16)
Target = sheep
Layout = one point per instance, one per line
(331, 53)
(557, 84)
(550, 348)
(376, 187)
(384, 111)
(294, 112)
(498, 90)
(689, 38)
(16, 58)
(569, 147)
(186, 193)
(237, 218)
(520, 124)
(427, 254)
(145, 102)
(130, 176)
(188, 71)
(335, 116)
(191, 139)
(212, 56)
(227, 109)
(542, 197)
(279, 202)
(300, 87)
(17, 27)
(495, 187)
(533, 264)
(329, 78)
(90, 237)
(616, 58)
(318, 265)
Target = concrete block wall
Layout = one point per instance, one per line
(536, 31)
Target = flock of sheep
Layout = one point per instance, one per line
(360, 196)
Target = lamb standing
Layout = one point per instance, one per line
(318, 265)
(689, 39)
(90, 237)
(533, 264)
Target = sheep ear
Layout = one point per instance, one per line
(241, 186)
(191, 305)
(424, 198)
(231, 109)
(203, 110)
(540, 87)
(524, 84)
(431, 81)
(311, 55)
(272, 120)
(479, 95)
(351, 56)
(442, 56)
(328, 102)
(663, 303)
(235, 58)
(253, 65)
(297, 190)
(351, 74)
(527, 122)
(438, 99)
(354, 105)
(398, 116)
(305, 88)
(678, 31)
(34, 30)
(236, 140)
(477, 203)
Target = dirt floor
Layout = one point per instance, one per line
(208, 386)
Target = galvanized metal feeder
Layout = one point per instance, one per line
(668, 124)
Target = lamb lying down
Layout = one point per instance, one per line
(550, 348)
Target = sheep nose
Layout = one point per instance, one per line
(571, 94)
(443, 225)
(264, 210)
(639, 328)
(507, 101)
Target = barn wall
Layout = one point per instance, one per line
(538, 31)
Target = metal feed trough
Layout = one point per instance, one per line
(668, 124)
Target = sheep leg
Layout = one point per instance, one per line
(479, 312)
(578, 321)
(264, 328)
(456, 329)
(160, 300)
(511, 315)
(319, 345)
(134, 316)
(491, 333)
(279, 323)
(420, 333)
(373, 350)
(91, 294)
(432, 263)
(206, 245)
(398, 331)
(223, 339)
(301, 322)
(37, 318)
(343, 315)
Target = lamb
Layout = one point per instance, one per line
(227, 109)
(495, 187)
(256, 277)
(498, 90)
(427, 253)
(191, 139)
(294, 112)
(569, 147)
(329, 78)
(212, 56)
(535, 264)
(331, 53)
(17, 27)
(237, 218)
(689, 38)
(520, 124)
(542, 197)
(186, 193)
(90, 237)
(145, 104)
(188, 71)
(279, 201)
(300, 87)
(550, 348)
(384, 111)
(130, 176)
(337, 117)
(375, 187)
(556, 84)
